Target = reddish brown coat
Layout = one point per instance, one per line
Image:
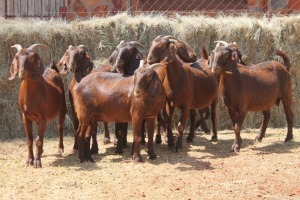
(41, 98)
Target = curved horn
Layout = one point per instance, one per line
(121, 43)
(153, 66)
(71, 46)
(141, 63)
(233, 46)
(34, 46)
(221, 42)
(158, 37)
(83, 47)
(136, 44)
(169, 37)
(17, 46)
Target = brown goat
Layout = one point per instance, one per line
(41, 98)
(77, 60)
(125, 59)
(186, 87)
(186, 54)
(252, 88)
(114, 98)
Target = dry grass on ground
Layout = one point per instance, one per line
(202, 170)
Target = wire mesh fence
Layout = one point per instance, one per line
(73, 9)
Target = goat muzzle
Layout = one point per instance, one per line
(138, 93)
(22, 75)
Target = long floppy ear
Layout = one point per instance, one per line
(131, 86)
(169, 53)
(87, 67)
(155, 87)
(78, 75)
(14, 68)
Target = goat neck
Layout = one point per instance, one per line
(174, 69)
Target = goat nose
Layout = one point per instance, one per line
(136, 93)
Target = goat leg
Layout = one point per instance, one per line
(150, 129)
(88, 142)
(264, 125)
(106, 139)
(28, 129)
(236, 146)
(81, 142)
(160, 121)
(124, 134)
(214, 136)
(61, 119)
(191, 135)
(287, 102)
(143, 142)
(39, 143)
(180, 127)
(95, 148)
(75, 122)
(118, 134)
(137, 129)
(169, 117)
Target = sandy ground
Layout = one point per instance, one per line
(202, 170)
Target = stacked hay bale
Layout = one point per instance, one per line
(257, 39)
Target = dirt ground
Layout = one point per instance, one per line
(202, 170)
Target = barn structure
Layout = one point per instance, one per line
(71, 9)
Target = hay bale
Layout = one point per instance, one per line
(257, 39)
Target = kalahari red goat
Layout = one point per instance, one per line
(41, 98)
(125, 59)
(252, 88)
(186, 87)
(77, 60)
(113, 97)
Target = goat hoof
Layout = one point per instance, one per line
(91, 159)
(258, 139)
(106, 141)
(29, 161)
(158, 140)
(152, 156)
(115, 142)
(235, 148)
(288, 138)
(176, 149)
(205, 130)
(119, 151)
(75, 151)
(214, 138)
(75, 147)
(180, 127)
(137, 158)
(189, 139)
(37, 163)
(60, 151)
(171, 144)
(94, 151)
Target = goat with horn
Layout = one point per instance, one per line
(41, 98)
(252, 88)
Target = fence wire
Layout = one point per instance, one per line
(71, 9)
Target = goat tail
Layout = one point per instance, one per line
(54, 67)
(286, 59)
(204, 53)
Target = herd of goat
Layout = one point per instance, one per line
(142, 90)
